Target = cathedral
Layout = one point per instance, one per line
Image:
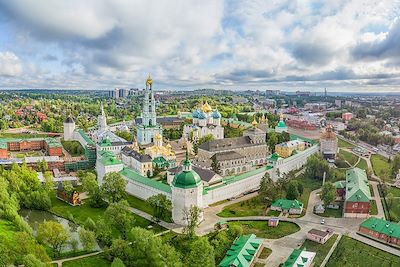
(205, 122)
(147, 130)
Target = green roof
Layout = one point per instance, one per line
(107, 158)
(281, 124)
(292, 259)
(357, 186)
(340, 184)
(3, 145)
(51, 142)
(135, 176)
(186, 179)
(85, 137)
(287, 204)
(242, 251)
(274, 157)
(382, 226)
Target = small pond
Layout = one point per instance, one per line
(36, 217)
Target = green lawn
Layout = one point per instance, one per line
(380, 165)
(394, 190)
(265, 253)
(84, 211)
(142, 205)
(261, 228)
(394, 210)
(254, 207)
(96, 260)
(373, 208)
(250, 207)
(336, 213)
(362, 165)
(73, 147)
(353, 253)
(343, 143)
(348, 156)
(321, 249)
(273, 213)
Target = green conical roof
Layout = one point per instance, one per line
(187, 178)
(281, 124)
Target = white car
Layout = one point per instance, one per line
(323, 221)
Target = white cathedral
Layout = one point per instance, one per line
(205, 122)
(147, 130)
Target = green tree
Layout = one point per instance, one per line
(161, 205)
(31, 261)
(73, 243)
(192, 218)
(117, 263)
(113, 187)
(201, 254)
(272, 141)
(53, 234)
(300, 188)
(268, 189)
(316, 166)
(395, 166)
(292, 191)
(328, 193)
(88, 239)
(119, 216)
(90, 185)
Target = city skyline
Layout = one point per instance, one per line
(286, 45)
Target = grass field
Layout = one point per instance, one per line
(142, 205)
(380, 165)
(321, 249)
(395, 191)
(84, 211)
(250, 207)
(394, 210)
(265, 253)
(362, 165)
(261, 228)
(353, 253)
(373, 210)
(348, 156)
(343, 143)
(254, 207)
(96, 260)
(336, 213)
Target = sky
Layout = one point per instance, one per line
(287, 45)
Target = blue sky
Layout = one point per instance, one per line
(289, 45)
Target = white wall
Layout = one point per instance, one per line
(143, 191)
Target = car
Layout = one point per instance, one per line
(323, 221)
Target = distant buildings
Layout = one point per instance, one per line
(303, 93)
(316, 107)
(329, 143)
(122, 92)
(347, 116)
(338, 103)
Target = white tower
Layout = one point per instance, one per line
(187, 191)
(149, 127)
(69, 128)
(102, 120)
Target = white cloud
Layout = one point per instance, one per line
(10, 64)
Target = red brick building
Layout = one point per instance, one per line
(357, 194)
(50, 145)
(384, 231)
(301, 124)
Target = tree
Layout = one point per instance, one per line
(192, 217)
(316, 166)
(31, 261)
(272, 141)
(90, 224)
(73, 243)
(300, 188)
(119, 216)
(268, 189)
(201, 253)
(292, 191)
(395, 166)
(161, 205)
(328, 193)
(88, 239)
(53, 234)
(389, 200)
(68, 187)
(117, 262)
(90, 185)
(215, 164)
(113, 187)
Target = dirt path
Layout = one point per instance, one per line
(60, 262)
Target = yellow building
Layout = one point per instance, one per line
(286, 149)
(160, 151)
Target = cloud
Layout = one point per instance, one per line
(386, 48)
(10, 64)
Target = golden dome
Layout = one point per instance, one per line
(169, 145)
(206, 108)
(254, 123)
(149, 81)
(281, 116)
(158, 136)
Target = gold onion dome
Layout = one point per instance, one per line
(254, 123)
(206, 108)
(158, 136)
(149, 81)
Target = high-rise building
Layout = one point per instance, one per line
(148, 128)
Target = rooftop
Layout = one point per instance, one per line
(286, 204)
(357, 186)
(382, 226)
